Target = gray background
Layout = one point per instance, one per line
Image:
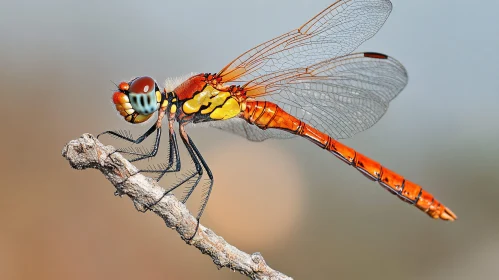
(310, 216)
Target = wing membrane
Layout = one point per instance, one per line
(336, 31)
(242, 128)
(341, 96)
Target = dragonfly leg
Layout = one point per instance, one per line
(139, 155)
(199, 164)
(206, 194)
(197, 174)
(173, 156)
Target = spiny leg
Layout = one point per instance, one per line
(206, 195)
(141, 153)
(198, 161)
(173, 155)
(199, 164)
(198, 170)
(127, 137)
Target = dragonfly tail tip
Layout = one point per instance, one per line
(448, 215)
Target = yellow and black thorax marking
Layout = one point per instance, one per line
(212, 104)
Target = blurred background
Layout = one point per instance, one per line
(310, 215)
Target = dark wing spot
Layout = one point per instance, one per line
(375, 55)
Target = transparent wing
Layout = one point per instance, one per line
(341, 96)
(242, 128)
(336, 31)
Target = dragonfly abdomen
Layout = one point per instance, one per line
(395, 183)
(268, 115)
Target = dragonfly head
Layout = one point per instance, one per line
(138, 99)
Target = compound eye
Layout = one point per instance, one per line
(142, 85)
(143, 97)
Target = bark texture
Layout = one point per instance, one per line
(87, 152)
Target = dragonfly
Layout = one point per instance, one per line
(306, 83)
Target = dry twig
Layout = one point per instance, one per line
(88, 152)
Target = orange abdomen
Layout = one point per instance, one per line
(268, 115)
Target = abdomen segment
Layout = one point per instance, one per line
(268, 115)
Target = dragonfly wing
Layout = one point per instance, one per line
(343, 97)
(251, 132)
(336, 31)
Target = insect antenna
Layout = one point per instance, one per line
(115, 84)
